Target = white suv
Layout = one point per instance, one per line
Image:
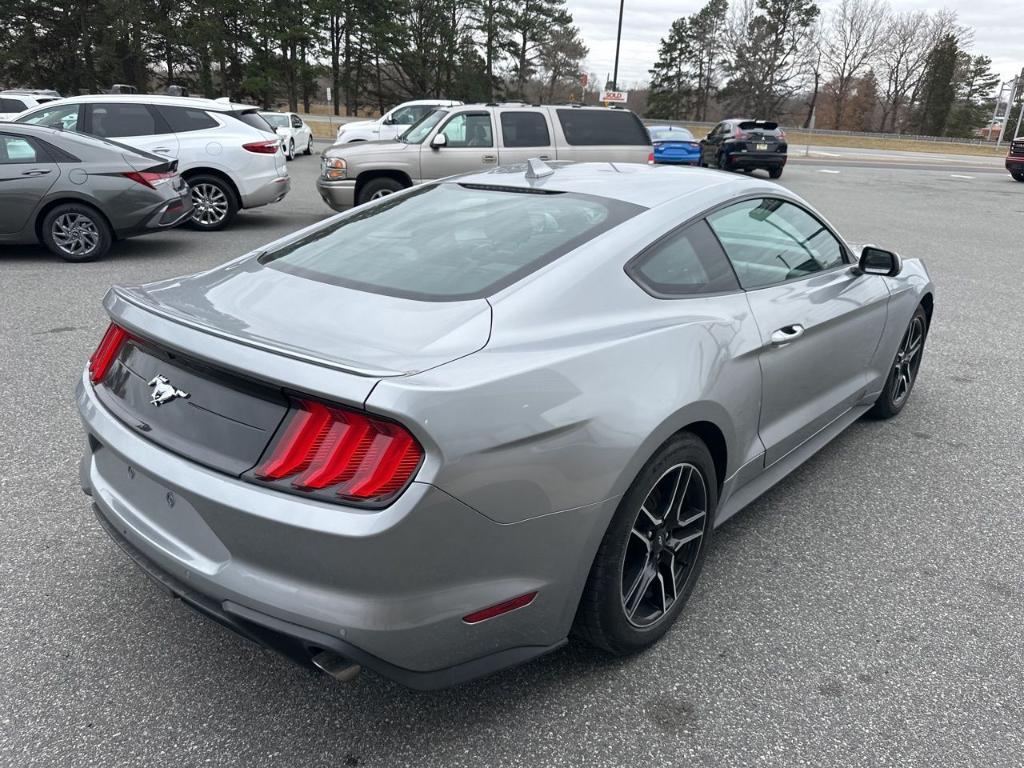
(13, 103)
(229, 155)
(391, 124)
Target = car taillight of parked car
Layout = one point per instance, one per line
(650, 158)
(149, 179)
(263, 147)
(106, 352)
(339, 454)
(740, 134)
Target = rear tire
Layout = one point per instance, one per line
(76, 232)
(290, 155)
(377, 188)
(644, 571)
(1018, 176)
(775, 173)
(214, 201)
(309, 146)
(903, 371)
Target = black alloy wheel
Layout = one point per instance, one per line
(905, 366)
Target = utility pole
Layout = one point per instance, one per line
(618, 40)
(1009, 105)
(1020, 112)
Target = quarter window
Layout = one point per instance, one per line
(12, 105)
(770, 241)
(684, 263)
(524, 129)
(296, 121)
(602, 127)
(469, 129)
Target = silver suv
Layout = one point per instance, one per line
(229, 155)
(476, 137)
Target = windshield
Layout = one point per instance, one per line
(671, 134)
(276, 119)
(417, 133)
(449, 241)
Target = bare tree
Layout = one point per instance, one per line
(853, 38)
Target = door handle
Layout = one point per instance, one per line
(787, 334)
(544, 157)
(36, 172)
(489, 158)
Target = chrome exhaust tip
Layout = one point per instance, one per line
(336, 666)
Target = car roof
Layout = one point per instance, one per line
(640, 184)
(153, 98)
(430, 103)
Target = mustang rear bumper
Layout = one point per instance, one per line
(386, 588)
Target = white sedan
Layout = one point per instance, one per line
(294, 132)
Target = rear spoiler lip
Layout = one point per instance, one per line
(142, 163)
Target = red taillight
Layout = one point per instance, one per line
(650, 157)
(263, 147)
(110, 345)
(500, 608)
(782, 134)
(352, 455)
(740, 134)
(148, 178)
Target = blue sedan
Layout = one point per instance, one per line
(673, 145)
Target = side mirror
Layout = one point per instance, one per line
(878, 261)
(440, 140)
(389, 120)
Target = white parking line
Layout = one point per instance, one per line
(826, 170)
(960, 176)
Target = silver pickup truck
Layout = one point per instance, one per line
(474, 137)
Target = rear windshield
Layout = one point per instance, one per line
(597, 127)
(759, 125)
(449, 241)
(671, 134)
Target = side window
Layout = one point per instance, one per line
(524, 129)
(602, 127)
(12, 105)
(410, 115)
(16, 149)
(185, 119)
(122, 120)
(63, 117)
(685, 263)
(469, 129)
(296, 121)
(770, 241)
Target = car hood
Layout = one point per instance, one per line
(368, 148)
(368, 334)
(359, 124)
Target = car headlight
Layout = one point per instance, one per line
(333, 168)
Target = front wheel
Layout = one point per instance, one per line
(775, 173)
(903, 373)
(76, 232)
(651, 554)
(309, 146)
(378, 188)
(290, 155)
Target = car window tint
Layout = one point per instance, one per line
(596, 127)
(16, 149)
(253, 119)
(12, 105)
(63, 117)
(524, 129)
(185, 119)
(769, 241)
(296, 121)
(469, 129)
(449, 242)
(684, 263)
(122, 120)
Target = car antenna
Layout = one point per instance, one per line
(537, 168)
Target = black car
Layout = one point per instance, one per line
(77, 193)
(743, 145)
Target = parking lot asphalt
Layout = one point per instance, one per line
(868, 611)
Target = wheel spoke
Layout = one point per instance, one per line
(642, 538)
(641, 585)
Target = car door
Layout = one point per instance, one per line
(300, 131)
(708, 148)
(133, 123)
(820, 321)
(524, 134)
(469, 146)
(26, 174)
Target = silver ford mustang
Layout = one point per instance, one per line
(437, 435)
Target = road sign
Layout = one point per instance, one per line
(614, 97)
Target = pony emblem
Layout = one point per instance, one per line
(163, 391)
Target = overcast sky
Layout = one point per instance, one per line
(998, 31)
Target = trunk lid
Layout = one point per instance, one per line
(367, 334)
